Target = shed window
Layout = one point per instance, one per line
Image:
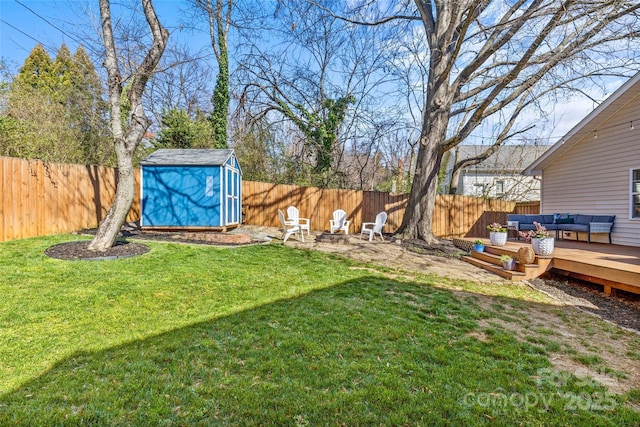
(208, 191)
(499, 187)
(635, 193)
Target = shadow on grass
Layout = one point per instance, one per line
(368, 351)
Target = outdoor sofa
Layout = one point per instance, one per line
(577, 223)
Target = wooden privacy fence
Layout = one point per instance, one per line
(261, 201)
(41, 198)
(454, 216)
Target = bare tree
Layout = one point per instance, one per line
(126, 138)
(321, 76)
(492, 60)
(184, 83)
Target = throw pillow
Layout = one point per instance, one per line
(557, 217)
(564, 221)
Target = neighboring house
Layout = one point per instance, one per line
(500, 175)
(595, 168)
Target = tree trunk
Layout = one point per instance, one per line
(112, 223)
(455, 180)
(418, 217)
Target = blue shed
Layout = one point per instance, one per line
(191, 189)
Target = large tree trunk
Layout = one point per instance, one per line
(418, 217)
(117, 214)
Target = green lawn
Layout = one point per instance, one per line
(269, 335)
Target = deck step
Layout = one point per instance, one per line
(490, 261)
(494, 268)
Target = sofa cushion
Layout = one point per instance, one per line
(582, 219)
(603, 218)
(537, 218)
(518, 217)
(574, 227)
(547, 219)
(526, 226)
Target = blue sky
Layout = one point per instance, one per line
(25, 23)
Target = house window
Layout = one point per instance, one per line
(635, 193)
(499, 187)
(480, 189)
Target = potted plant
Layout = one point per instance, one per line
(497, 234)
(508, 263)
(478, 246)
(541, 243)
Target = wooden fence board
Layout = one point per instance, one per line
(3, 196)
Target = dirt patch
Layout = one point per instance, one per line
(584, 346)
(443, 259)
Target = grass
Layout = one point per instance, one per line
(192, 335)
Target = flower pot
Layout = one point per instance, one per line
(526, 255)
(498, 238)
(478, 247)
(509, 265)
(543, 247)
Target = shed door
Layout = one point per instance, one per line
(233, 196)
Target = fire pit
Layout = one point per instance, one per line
(332, 238)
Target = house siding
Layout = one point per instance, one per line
(593, 176)
(516, 187)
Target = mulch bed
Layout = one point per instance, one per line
(72, 251)
(124, 249)
(623, 309)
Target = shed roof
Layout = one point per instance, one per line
(188, 157)
(598, 118)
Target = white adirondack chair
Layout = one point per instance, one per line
(339, 222)
(293, 215)
(289, 227)
(373, 228)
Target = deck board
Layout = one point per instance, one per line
(613, 266)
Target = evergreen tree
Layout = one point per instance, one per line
(55, 110)
(180, 131)
(92, 110)
(36, 71)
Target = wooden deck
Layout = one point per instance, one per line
(612, 266)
